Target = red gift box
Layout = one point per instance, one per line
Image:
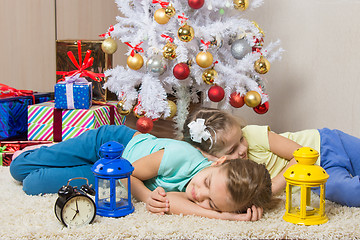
(8, 148)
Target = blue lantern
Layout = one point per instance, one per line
(112, 182)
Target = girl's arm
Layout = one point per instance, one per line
(146, 168)
(284, 148)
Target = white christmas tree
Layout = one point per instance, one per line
(186, 47)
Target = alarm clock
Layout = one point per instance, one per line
(74, 208)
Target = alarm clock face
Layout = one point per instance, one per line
(78, 211)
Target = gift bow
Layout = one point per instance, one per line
(6, 91)
(198, 130)
(69, 81)
(82, 66)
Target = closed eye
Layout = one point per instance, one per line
(207, 183)
(232, 150)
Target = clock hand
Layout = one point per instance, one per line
(77, 210)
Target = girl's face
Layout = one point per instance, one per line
(235, 145)
(208, 189)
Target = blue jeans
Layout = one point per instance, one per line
(46, 169)
(340, 157)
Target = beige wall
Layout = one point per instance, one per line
(317, 82)
(27, 44)
(315, 85)
(29, 30)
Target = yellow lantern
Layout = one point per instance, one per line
(305, 175)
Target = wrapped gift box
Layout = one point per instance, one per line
(13, 115)
(78, 97)
(47, 123)
(102, 62)
(8, 148)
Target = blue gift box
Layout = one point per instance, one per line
(73, 95)
(14, 115)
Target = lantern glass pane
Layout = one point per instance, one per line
(309, 199)
(295, 199)
(103, 192)
(121, 193)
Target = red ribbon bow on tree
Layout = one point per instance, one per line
(182, 18)
(167, 37)
(207, 44)
(111, 28)
(81, 66)
(162, 3)
(136, 48)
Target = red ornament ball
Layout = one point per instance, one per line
(236, 100)
(181, 71)
(196, 4)
(144, 124)
(216, 93)
(262, 108)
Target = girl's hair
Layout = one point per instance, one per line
(249, 183)
(217, 122)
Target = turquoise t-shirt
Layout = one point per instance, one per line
(179, 164)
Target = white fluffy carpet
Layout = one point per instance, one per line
(32, 217)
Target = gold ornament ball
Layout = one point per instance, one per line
(139, 114)
(173, 108)
(204, 59)
(109, 46)
(160, 16)
(241, 5)
(209, 76)
(135, 62)
(120, 108)
(252, 99)
(262, 65)
(169, 51)
(170, 11)
(186, 33)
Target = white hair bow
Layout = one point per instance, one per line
(198, 130)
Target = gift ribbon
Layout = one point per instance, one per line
(2, 150)
(6, 91)
(82, 66)
(112, 110)
(57, 121)
(136, 48)
(69, 81)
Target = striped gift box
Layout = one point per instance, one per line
(41, 122)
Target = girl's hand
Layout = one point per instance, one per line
(252, 214)
(157, 202)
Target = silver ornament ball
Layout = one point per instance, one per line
(156, 65)
(239, 48)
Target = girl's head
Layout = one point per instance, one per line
(215, 132)
(232, 186)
